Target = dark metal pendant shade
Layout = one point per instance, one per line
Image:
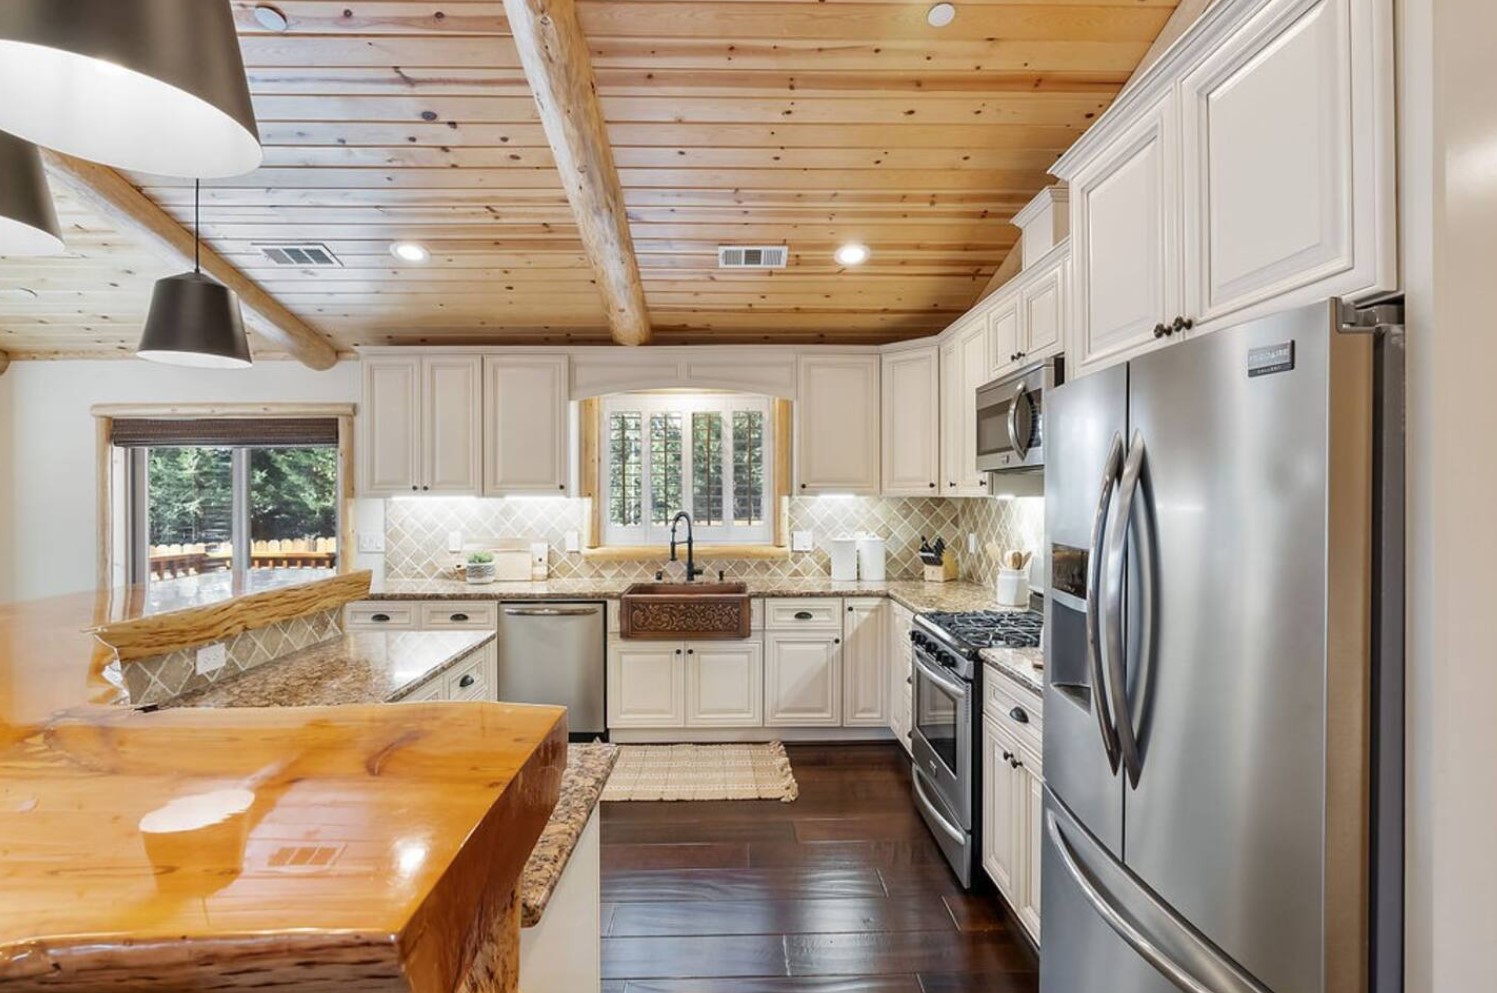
(28, 222)
(156, 86)
(195, 321)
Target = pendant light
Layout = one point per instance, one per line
(155, 86)
(28, 224)
(194, 319)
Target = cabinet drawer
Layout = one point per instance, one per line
(463, 614)
(809, 614)
(1003, 701)
(372, 615)
(435, 689)
(470, 679)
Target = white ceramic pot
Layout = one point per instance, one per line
(1013, 587)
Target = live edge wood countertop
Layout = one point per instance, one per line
(369, 848)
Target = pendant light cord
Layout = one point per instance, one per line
(197, 236)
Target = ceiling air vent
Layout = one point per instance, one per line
(752, 256)
(301, 254)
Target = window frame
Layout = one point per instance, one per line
(725, 405)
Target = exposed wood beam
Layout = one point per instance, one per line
(1007, 269)
(137, 216)
(1186, 14)
(4, 363)
(553, 52)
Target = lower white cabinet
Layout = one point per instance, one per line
(802, 679)
(901, 662)
(1013, 799)
(646, 684)
(474, 677)
(1033, 789)
(725, 684)
(865, 663)
(1001, 809)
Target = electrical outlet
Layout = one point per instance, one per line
(454, 541)
(801, 541)
(971, 543)
(212, 658)
(372, 543)
(573, 541)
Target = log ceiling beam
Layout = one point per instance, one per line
(136, 216)
(4, 363)
(553, 51)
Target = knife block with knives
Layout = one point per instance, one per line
(940, 561)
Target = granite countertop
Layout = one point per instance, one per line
(368, 667)
(1025, 666)
(588, 768)
(914, 594)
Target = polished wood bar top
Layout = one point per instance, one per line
(366, 848)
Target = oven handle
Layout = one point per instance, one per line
(955, 687)
(947, 828)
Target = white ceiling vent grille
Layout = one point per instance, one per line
(301, 254)
(752, 256)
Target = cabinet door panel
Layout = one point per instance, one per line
(1000, 810)
(1005, 338)
(646, 685)
(1269, 182)
(1032, 788)
(911, 422)
(837, 424)
(390, 427)
(1042, 307)
(802, 680)
(865, 665)
(975, 369)
(452, 422)
(1125, 239)
(527, 399)
(724, 684)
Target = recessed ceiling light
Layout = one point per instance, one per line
(410, 251)
(941, 15)
(270, 18)
(852, 254)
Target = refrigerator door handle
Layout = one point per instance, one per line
(1205, 969)
(1115, 560)
(1094, 656)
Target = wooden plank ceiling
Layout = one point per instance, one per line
(802, 122)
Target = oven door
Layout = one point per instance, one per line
(941, 740)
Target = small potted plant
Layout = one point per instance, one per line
(480, 568)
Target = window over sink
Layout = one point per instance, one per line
(707, 454)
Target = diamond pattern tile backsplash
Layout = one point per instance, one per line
(162, 678)
(417, 532)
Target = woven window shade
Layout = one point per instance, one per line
(267, 432)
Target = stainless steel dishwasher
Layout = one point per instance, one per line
(552, 653)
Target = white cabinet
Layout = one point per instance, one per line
(420, 425)
(901, 661)
(1013, 796)
(1282, 150)
(837, 424)
(964, 367)
(1042, 310)
(724, 684)
(1250, 170)
(1005, 334)
(911, 422)
(1031, 788)
(802, 679)
(526, 400)
(1002, 812)
(865, 663)
(646, 684)
(1125, 231)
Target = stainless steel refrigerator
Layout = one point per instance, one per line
(1223, 668)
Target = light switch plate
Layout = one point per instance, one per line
(573, 541)
(801, 541)
(372, 543)
(454, 541)
(212, 658)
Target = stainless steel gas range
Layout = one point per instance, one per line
(946, 728)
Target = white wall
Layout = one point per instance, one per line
(1448, 133)
(49, 476)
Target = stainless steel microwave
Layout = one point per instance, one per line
(1011, 418)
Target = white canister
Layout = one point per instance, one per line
(844, 552)
(1013, 587)
(871, 558)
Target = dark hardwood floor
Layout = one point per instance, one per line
(842, 891)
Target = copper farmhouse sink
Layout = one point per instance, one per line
(685, 611)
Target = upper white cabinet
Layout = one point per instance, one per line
(1125, 239)
(837, 424)
(1026, 323)
(911, 422)
(1005, 335)
(1251, 170)
(1283, 148)
(420, 425)
(965, 366)
(865, 663)
(526, 403)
